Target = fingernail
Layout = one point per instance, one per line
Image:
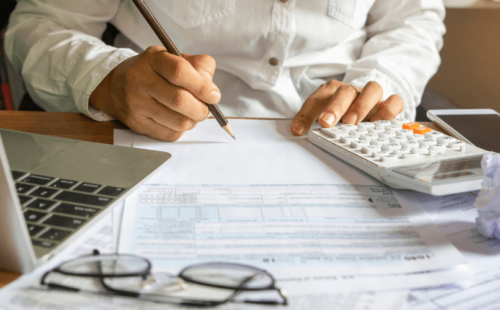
(328, 118)
(299, 128)
(214, 97)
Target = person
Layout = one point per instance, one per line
(324, 60)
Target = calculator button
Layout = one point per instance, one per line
(354, 133)
(433, 135)
(456, 145)
(331, 132)
(438, 148)
(409, 144)
(411, 126)
(366, 125)
(391, 147)
(401, 152)
(389, 158)
(399, 122)
(445, 140)
(348, 127)
(418, 150)
(421, 130)
(379, 142)
(376, 131)
(398, 139)
(348, 139)
(426, 143)
(404, 132)
(410, 156)
(386, 135)
(366, 138)
(379, 155)
(416, 137)
(359, 144)
(392, 129)
(382, 123)
(369, 150)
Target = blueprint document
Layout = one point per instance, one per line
(455, 215)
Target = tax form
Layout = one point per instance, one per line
(278, 202)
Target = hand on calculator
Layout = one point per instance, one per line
(336, 100)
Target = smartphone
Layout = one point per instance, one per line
(480, 127)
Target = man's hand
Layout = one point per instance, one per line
(159, 94)
(335, 100)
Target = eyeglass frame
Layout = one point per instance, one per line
(147, 272)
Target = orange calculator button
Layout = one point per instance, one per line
(421, 130)
(411, 126)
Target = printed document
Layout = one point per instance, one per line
(279, 202)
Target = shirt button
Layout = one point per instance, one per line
(273, 61)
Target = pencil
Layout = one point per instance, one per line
(172, 49)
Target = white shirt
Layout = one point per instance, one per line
(55, 45)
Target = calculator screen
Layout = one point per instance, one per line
(482, 130)
(444, 171)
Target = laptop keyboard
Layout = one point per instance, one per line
(55, 208)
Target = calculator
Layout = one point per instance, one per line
(405, 155)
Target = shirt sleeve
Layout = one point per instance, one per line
(402, 49)
(54, 45)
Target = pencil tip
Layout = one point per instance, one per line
(227, 129)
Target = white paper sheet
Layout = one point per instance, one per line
(266, 154)
(26, 294)
(455, 215)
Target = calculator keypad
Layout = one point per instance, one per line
(393, 141)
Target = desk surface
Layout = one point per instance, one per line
(66, 125)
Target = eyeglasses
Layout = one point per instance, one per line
(200, 285)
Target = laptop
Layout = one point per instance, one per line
(53, 189)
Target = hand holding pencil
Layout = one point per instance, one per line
(160, 94)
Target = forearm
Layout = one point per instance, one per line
(402, 51)
(59, 54)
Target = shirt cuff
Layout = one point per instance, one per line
(107, 64)
(390, 88)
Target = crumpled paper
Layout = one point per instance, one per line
(488, 201)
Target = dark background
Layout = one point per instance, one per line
(6, 6)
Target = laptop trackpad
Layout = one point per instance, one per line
(27, 151)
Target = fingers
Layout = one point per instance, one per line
(329, 102)
(369, 97)
(204, 64)
(152, 129)
(178, 99)
(388, 109)
(180, 72)
(169, 118)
